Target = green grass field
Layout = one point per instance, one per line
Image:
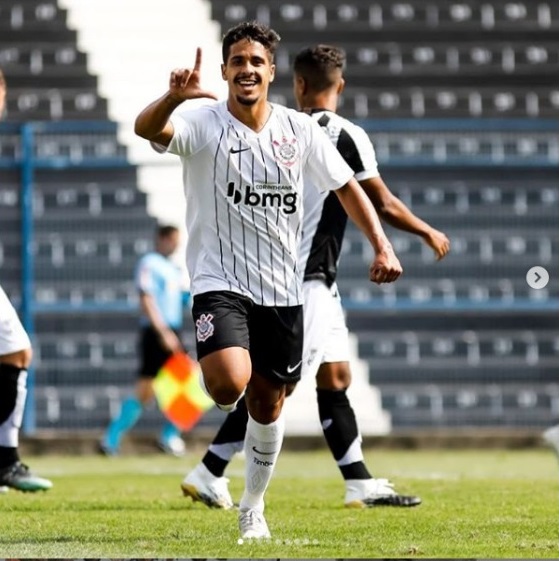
(499, 504)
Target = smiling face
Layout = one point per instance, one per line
(248, 72)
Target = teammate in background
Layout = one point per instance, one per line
(162, 300)
(318, 82)
(551, 437)
(15, 358)
(244, 160)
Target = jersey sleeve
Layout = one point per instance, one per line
(144, 276)
(324, 166)
(191, 130)
(361, 155)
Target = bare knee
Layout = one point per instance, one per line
(333, 376)
(264, 399)
(226, 374)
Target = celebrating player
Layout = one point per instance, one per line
(318, 82)
(244, 162)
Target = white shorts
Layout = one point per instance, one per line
(326, 337)
(13, 337)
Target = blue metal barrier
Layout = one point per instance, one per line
(25, 158)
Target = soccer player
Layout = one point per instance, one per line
(15, 358)
(318, 82)
(162, 299)
(244, 160)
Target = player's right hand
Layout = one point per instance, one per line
(184, 83)
(385, 268)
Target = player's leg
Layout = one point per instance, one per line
(206, 482)
(276, 339)
(15, 358)
(222, 342)
(337, 417)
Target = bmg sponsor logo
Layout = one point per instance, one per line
(264, 195)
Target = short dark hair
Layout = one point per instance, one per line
(166, 230)
(318, 65)
(253, 31)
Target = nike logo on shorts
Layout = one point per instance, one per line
(291, 369)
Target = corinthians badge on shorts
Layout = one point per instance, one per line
(286, 151)
(204, 327)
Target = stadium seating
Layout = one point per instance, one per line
(90, 220)
(461, 342)
(483, 349)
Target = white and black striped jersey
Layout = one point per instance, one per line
(244, 190)
(325, 218)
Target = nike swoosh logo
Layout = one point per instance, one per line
(254, 449)
(291, 369)
(237, 150)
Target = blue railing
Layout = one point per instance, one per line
(27, 158)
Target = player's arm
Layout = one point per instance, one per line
(153, 122)
(385, 267)
(392, 210)
(167, 336)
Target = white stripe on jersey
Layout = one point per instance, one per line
(355, 146)
(243, 198)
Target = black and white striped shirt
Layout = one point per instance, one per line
(325, 218)
(244, 189)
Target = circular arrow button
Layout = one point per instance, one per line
(537, 277)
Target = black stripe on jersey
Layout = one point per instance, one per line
(242, 220)
(268, 228)
(324, 256)
(230, 225)
(347, 148)
(282, 258)
(257, 239)
(293, 250)
(322, 263)
(215, 206)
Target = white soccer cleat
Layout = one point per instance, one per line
(201, 485)
(367, 493)
(551, 436)
(252, 525)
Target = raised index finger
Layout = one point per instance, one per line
(198, 61)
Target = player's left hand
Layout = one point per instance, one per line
(438, 242)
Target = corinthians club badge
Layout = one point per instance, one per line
(286, 151)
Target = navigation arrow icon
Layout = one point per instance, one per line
(537, 277)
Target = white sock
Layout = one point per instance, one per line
(262, 447)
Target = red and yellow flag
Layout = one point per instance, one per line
(178, 392)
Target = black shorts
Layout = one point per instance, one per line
(273, 335)
(153, 354)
